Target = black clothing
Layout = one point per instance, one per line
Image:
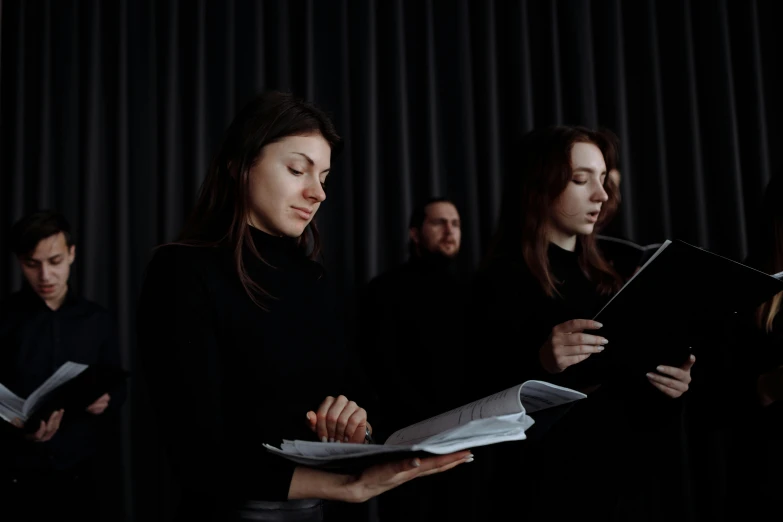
(411, 339)
(34, 342)
(410, 328)
(755, 457)
(228, 376)
(602, 460)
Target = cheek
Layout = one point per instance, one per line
(568, 202)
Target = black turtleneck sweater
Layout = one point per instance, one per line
(228, 375)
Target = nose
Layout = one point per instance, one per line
(43, 273)
(315, 191)
(599, 193)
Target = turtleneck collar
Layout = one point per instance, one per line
(434, 263)
(563, 261)
(279, 251)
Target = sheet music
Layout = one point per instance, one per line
(538, 395)
(479, 432)
(10, 405)
(64, 373)
(501, 403)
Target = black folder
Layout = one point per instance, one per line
(78, 393)
(669, 308)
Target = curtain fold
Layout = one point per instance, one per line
(112, 111)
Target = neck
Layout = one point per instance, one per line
(433, 260)
(564, 241)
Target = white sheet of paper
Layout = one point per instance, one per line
(538, 395)
(502, 403)
(479, 432)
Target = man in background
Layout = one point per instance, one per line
(46, 470)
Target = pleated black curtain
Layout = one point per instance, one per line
(111, 110)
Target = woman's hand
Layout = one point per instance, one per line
(567, 345)
(678, 381)
(383, 477)
(339, 420)
(316, 483)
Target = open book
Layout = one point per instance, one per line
(72, 385)
(678, 299)
(504, 416)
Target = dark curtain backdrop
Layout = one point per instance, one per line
(111, 110)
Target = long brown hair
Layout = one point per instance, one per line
(770, 249)
(219, 217)
(544, 171)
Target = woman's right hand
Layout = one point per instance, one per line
(567, 345)
(382, 477)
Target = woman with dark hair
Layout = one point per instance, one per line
(239, 335)
(542, 280)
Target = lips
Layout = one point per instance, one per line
(46, 289)
(303, 212)
(593, 216)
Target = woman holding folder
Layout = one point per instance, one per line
(542, 281)
(238, 334)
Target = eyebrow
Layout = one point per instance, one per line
(34, 260)
(310, 161)
(588, 170)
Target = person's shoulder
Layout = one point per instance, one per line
(503, 269)
(177, 258)
(10, 304)
(390, 278)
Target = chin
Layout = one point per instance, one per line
(294, 231)
(586, 230)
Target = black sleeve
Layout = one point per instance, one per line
(179, 350)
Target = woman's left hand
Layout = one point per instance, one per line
(678, 379)
(339, 420)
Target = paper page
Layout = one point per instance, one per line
(64, 373)
(10, 405)
(502, 403)
(539, 395)
(652, 257)
(480, 432)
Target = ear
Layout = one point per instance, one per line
(72, 253)
(413, 234)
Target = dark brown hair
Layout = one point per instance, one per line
(219, 217)
(539, 173)
(32, 228)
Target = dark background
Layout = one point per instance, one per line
(111, 110)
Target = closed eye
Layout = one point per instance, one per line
(295, 172)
